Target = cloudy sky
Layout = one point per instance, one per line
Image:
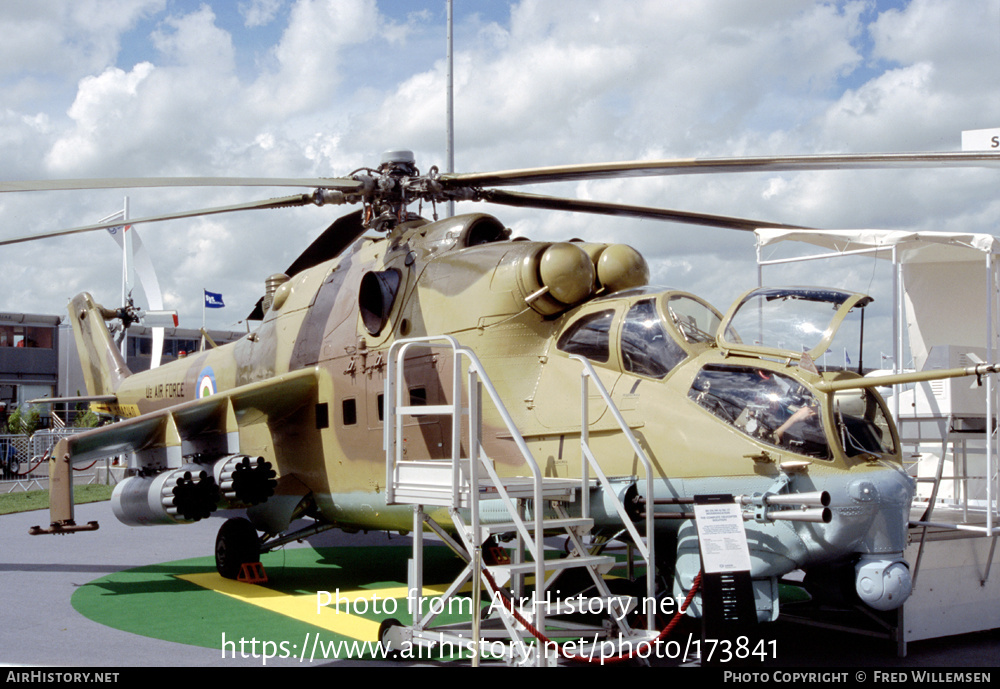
(92, 88)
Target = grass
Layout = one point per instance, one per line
(39, 499)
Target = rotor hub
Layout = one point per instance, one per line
(401, 158)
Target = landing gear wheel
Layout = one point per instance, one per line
(383, 632)
(236, 545)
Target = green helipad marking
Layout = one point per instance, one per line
(152, 601)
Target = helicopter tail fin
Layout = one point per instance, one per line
(103, 366)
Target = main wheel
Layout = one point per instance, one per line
(236, 544)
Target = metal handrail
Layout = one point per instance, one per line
(647, 547)
(477, 382)
(392, 437)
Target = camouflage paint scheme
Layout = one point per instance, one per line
(304, 392)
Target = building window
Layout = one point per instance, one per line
(26, 336)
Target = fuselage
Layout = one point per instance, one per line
(712, 420)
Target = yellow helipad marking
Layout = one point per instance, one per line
(302, 607)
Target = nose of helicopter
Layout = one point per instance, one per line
(884, 498)
(875, 509)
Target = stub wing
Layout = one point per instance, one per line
(161, 440)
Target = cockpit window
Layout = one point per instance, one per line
(590, 336)
(771, 407)
(647, 350)
(862, 423)
(697, 321)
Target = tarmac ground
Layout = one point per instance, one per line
(42, 628)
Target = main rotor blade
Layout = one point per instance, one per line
(341, 184)
(694, 166)
(523, 200)
(283, 202)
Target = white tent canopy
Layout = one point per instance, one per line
(911, 247)
(947, 279)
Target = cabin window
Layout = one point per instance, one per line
(418, 397)
(350, 411)
(646, 348)
(589, 336)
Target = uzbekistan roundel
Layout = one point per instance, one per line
(206, 382)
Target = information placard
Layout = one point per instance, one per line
(721, 535)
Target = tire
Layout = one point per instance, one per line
(383, 629)
(236, 544)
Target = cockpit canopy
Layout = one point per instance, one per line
(658, 330)
(788, 322)
(649, 331)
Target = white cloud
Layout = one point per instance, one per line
(259, 12)
(66, 36)
(320, 87)
(194, 41)
(101, 105)
(308, 61)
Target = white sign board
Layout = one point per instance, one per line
(722, 538)
(981, 140)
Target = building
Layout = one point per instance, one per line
(29, 358)
(38, 358)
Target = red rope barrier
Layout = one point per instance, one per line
(545, 641)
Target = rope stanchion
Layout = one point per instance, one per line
(37, 461)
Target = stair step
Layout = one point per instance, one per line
(430, 483)
(524, 487)
(560, 563)
(580, 523)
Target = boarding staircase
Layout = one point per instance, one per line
(468, 504)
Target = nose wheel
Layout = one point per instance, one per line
(236, 544)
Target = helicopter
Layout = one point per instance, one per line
(288, 422)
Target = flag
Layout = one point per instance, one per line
(117, 232)
(213, 300)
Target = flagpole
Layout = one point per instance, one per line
(125, 274)
(204, 292)
(124, 252)
(450, 104)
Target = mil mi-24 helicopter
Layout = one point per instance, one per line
(288, 422)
